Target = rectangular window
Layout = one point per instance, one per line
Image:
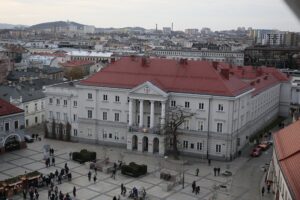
(199, 146)
(187, 104)
(74, 117)
(36, 120)
(90, 132)
(75, 132)
(65, 102)
(173, 103)
(186, 124)
(220, 107)
(90, 96)
(50, 114)
(26, 109)
(105, 97)
(104, 116)
(75, 103)
(117, 98)
(65, 117)
(192, 145)
(218, 148)
(104, 134)
(200, 125)
(35, 107)
(117, 117)
(16, 124)
(219, 127)
(110, 135)
(58, 115)
(201, 106)
(90, 114)
(57, 101)
(7, 126)
(185, 144)
(50, 100)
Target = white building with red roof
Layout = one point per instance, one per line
(11, 125)
(125, 104)
(284, 172)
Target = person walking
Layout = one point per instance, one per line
(95, 168)
(24, 194)
(122, 186)
(95, 178)
(115, 198)
(74, 191)
(215, 171)
(89, 175)
(263, 191)
(218, 170)
(198, 189)
(194, 186)
(209, 162)
(197, 171)
(70, 155)
(53, 161)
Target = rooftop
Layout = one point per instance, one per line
(77, 63)
(7, 109)
(287, 150)
(90, 53)
(199, 77)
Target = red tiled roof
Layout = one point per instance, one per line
(287, 147)
(7, 109)
(198, 77)
(260, 78)
(77, 63)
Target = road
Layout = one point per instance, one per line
(246, 182)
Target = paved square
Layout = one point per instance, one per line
(30, 159)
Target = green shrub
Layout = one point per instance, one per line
(84, 156)
(134, 169)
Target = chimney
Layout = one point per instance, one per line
(225, 73)
(215, 64)
(144, 62)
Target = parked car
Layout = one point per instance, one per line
(256, 152)
(28, 138)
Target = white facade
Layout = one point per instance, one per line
(220, 127)
(34, 110)
(233, 57)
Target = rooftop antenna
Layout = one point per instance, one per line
(156, 27)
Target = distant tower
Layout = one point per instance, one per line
(156, 27)
(172, 26)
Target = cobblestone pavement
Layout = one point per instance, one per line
(17, 162)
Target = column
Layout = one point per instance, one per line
(141, 113)
(130, 111)
(163, 113)
(152, 114)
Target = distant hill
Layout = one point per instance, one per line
(50, 25)
(124, 29)
(11, 26)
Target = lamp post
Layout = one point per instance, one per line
(182, 175)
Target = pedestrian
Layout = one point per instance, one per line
(124, 191)
(49, 193)
(36, 195)
(215, 171)
(53, 161)
(24, 194)
(95, 168)
(115, 198)
(197, 171)
(89, 175)
(56, 173)
(218, 170)
(56, 191)
(263, 191)
(113, 174)
(74, 191)
(198, 189)
(70, 155)
(194, 186)
(95, 178)
(122, 186)
(209, 162)
(268, 187)
(61, 195)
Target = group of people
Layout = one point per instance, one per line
(90, 176)
(217, 171)
(134, 193)
(33, 193)
(268, 188)
(196, 189)
(35, 137)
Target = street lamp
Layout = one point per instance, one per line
(182, 175)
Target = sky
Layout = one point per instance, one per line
(215, 14)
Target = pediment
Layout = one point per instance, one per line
(148, 88)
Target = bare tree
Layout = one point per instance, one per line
(175, 118)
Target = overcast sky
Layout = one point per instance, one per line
(216, 14)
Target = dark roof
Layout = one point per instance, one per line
(7, 109)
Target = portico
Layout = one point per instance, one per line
(147, 111)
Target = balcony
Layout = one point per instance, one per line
(155, 130)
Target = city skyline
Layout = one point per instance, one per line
(225, 15)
